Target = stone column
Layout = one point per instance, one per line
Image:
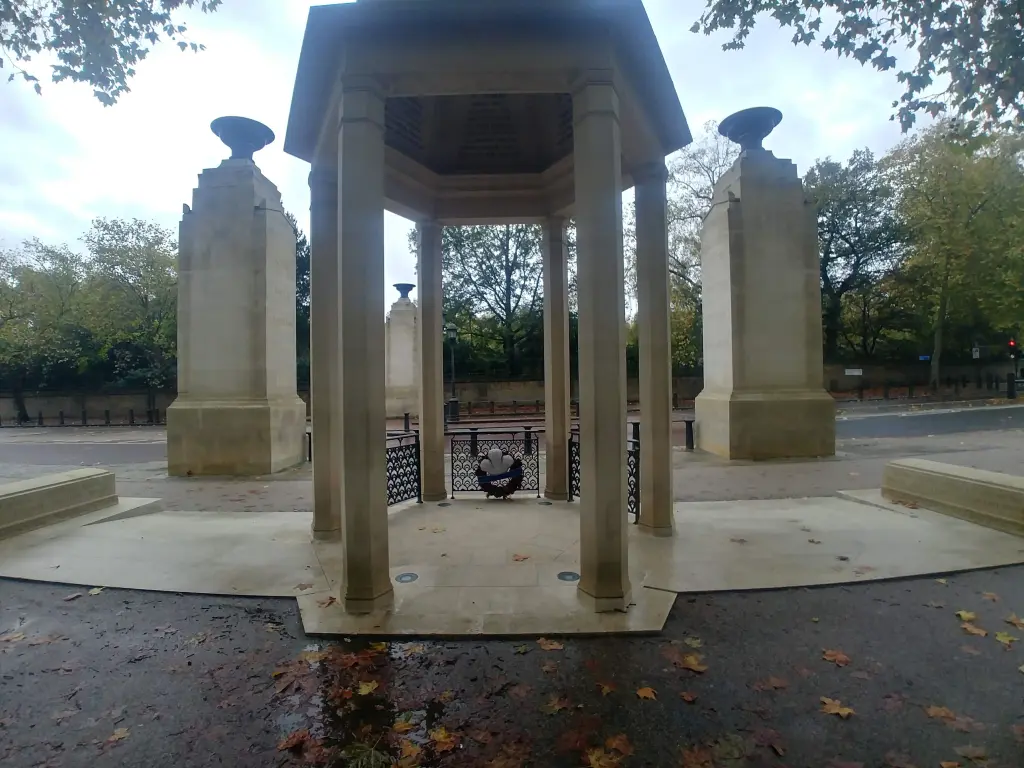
(556, 360)
(653, 323)
(237, 411)
(604, 572)
(360, 403)
(428, 267)
(763, 396)
(323, 336)
(402, 355)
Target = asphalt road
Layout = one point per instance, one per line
(924, 423)
(879, 675)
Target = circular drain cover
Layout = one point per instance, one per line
(405, 578)
(544, 503)
(568, 576)
(444, 504)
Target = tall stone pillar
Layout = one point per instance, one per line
(359, 406)
(763, 396)
(428, 267)
(323, 336)
(401, 344)
(653, 324)
(604, 571)
(237, 411)
(556, 360)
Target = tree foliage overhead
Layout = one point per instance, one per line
(977, 44)
(97, 43)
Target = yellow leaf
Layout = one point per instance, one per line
(940, 713)
(549, 645)
(1012, 619)
(410, 750)
(990, 596)
(446, 696)
(835, 707)
(1005, 638)
(95, 591)
(378, 647)
(606, 688)
(692, 662)
(555, 705)
(368, 687)
(966, 615)
(443, 740)
(838, 658)
(598, 758)
(119, 735)
(620, 744)
(941, 581)
(973, 630)
(522, 649)
(403, 726)
(312, 657)
(646, 693)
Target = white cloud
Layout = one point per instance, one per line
(67, 159)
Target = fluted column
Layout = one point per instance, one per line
(428, 269)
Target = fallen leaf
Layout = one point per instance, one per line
(96, 590)
(1015, 621)
(294, 740)
(378, 647)
(971, 752)
(273, 626)
(966, 615)
(940, 713)
(814, 541)
(403, 725)
(61, 716)
(990, 596)
(446, 697)
(738, 540)
(693, 642)
(549, 645)
(520, 691)
(973, 630)
(835, 707)
(970, 650)
(949, 764)
(941, 581)
(933, 604)
(312, 657)
(12, 637)
(437, 530)
(688, 696)
(1006, 639)
(120, 734)
(620, 743)
(410, 750)
(646, 693)
(1021, 669)
(771, 684)
(443, 740)
(522, 649)
(838, 658)
(766, 737)
(697, 757)
(598, 758)
(520, 558)
(606, 688)
(731, 750)
(368, 687)
(555, 705)
(331, 600)
(73, 596)
(549, 667)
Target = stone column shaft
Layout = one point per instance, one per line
(360, 412)
(428, 269)
(556, 360)
(654, 325)
(604, 572)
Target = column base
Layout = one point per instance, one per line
(785, 424)
(382, 602)
(556, 495)
(435, 496)
(661, 531)
(605, 604)
(332, 534)
(235, 437)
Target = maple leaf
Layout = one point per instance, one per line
(693, 642)
(838, 658)
(688, 696)
(606, 688)
(403, 725)
(368, 687)
(410, 750)
(966, 615)
(940, 713)
(1006, 639)
(973, 630)
(835, 707)
(520, 558)
(443, 740)
(990, 596)
(296, 740)
(697, 757)
(971, 752)
(96, 590)
(555, 705)
(620, 743)
(646, 693)
(549, 666)
(549, 645)
(1012, 619)
(598, 758)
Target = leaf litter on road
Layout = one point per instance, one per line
(688, 696)
(838, 658)
(549, 645)
(966, 615)
(1006, 639)
(555, 705)
(646, 693)
(971, 629)
(620, 743)
(835, 707)
(1015, 621)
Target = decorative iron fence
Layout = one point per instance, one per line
(632, 468)
(470, 447)
(403, 467)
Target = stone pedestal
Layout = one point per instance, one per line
(237, 411)
(401, 344)
(763, 396)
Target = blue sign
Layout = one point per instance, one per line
(924, 358)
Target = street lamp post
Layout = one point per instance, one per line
(451, 332)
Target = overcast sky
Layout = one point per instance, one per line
(66, 159)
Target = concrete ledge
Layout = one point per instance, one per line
(28, 504)
(992, 499)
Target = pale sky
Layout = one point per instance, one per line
(66, 159)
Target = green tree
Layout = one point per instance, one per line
(976, 44)
(97, 43)
(302, 257)
(859, 236)
(134, 288)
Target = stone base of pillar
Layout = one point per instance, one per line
(382, 602)
(605, 604)
(555, 496)
(655, 530)
(334, 534)
(259, 437)
(766, 425)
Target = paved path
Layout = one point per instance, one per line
(135, 679)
